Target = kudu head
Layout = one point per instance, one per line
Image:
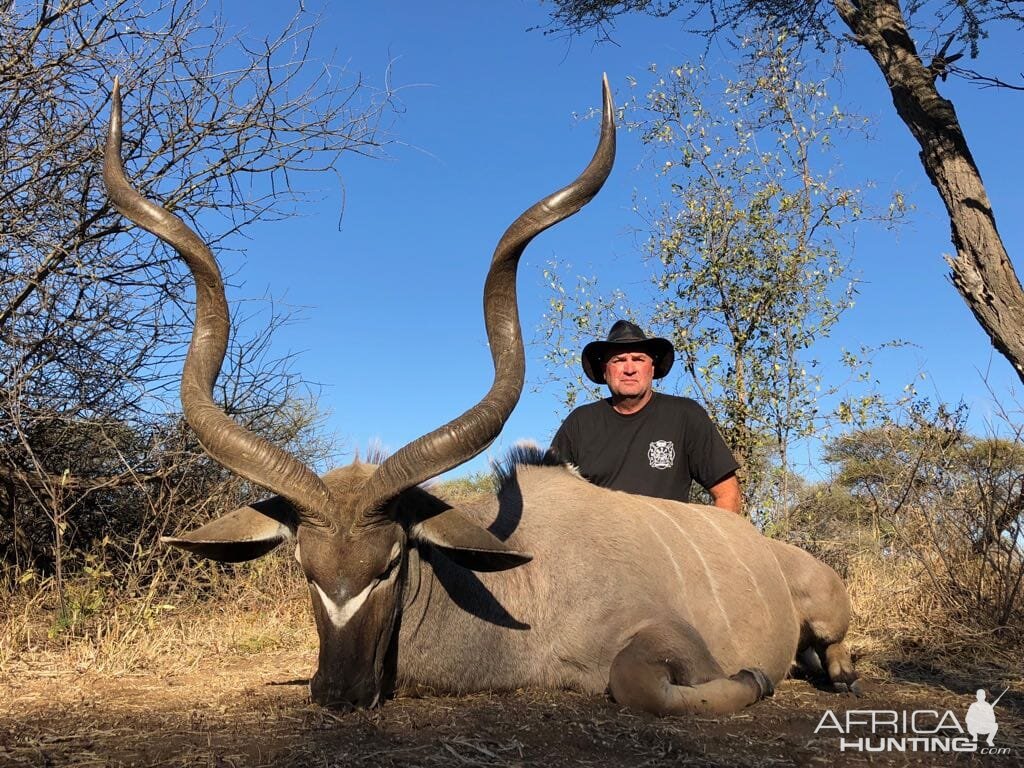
(354, 526)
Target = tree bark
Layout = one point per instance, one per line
(981, 269)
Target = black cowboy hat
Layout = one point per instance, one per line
(624, 336)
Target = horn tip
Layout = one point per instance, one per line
(115, 106)
(606, 97)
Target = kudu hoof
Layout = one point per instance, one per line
(853, 687)
(761, 680)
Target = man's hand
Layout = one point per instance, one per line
(726, 493)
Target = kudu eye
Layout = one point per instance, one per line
(390, 568)
(394, 560)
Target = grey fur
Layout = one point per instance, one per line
(676, 608)
(599, 577)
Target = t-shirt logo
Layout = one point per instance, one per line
(661, 454)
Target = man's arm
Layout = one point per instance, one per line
(710, 459)
(726, 493)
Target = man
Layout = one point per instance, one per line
(641, 441)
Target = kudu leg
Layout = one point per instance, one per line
(838, 663)
(823, 606)
(832, 662)
(672, 673)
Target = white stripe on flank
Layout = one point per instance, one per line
(707, 571)
(710, 519)
(668, 551)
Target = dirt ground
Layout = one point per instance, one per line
(253, 710)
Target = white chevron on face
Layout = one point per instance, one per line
(341, 613)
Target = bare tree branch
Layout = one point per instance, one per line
(93, 318)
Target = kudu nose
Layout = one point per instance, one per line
(334, 694)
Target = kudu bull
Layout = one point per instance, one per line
(674, 608)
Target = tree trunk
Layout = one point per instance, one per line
(982, 271)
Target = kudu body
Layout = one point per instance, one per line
(673, 607)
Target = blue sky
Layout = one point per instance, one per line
(390, 300)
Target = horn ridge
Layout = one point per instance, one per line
(467, 435)
(227, 442)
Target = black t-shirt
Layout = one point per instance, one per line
(656, 451)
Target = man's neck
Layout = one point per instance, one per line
(630, 405)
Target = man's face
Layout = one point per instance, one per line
(629, 374)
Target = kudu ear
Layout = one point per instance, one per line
(467, 544)
(244, 534)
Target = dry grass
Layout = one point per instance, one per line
(900, 621)
(260, 607)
